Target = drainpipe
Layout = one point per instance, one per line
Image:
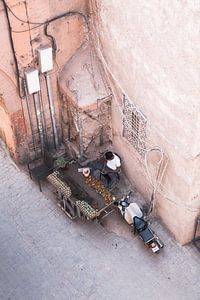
(39, 119)
(79, 121)
(33, 87)
(29, 113)
(52, 110)
(43, 117)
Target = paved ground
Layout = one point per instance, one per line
(44, 255)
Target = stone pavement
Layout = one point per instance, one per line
(44, 255)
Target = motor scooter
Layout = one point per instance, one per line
(134, 216)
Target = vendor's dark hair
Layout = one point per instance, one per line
(109, 155)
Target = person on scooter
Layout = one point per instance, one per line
(106, 170)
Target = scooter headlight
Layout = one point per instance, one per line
(124, 204)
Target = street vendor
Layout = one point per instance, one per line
(106, 170)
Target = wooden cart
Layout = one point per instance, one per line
(79, 197)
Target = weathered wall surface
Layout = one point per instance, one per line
(68, 32)
(150, 50)
(6, 131)
(86, 105)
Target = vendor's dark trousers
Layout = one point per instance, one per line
(111, 179)
(95, 166)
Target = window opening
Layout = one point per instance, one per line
(134, 125)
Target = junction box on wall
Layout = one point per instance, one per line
(32, 81)
(45, 57)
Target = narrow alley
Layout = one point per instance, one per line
(45, 255)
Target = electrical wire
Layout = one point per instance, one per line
(157, 182)
(19, 19)
(125, 119)
(13, 50)
(107, 69)
(6, 8)
(47, 22)
(26, 30)
(67, 14)
(53, 41)
(155, 148)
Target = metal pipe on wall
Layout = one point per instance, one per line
(52, 110)
(39, 120)
(29, 114)
(80, 128)
(43, 117)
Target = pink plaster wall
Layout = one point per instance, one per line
(150, 51)
(69, 32)
(6, 130)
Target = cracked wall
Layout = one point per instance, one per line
(77, 75)
(68, 34)
(86, 105)
(150, 54)
(142, 50)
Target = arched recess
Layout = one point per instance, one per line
(6, 129)
(9, 105)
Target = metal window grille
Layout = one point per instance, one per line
(134, 125)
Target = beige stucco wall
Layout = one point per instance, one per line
(150, 51)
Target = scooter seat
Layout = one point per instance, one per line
(139, 224)
(146, 235)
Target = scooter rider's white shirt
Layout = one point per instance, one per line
(114, 163)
